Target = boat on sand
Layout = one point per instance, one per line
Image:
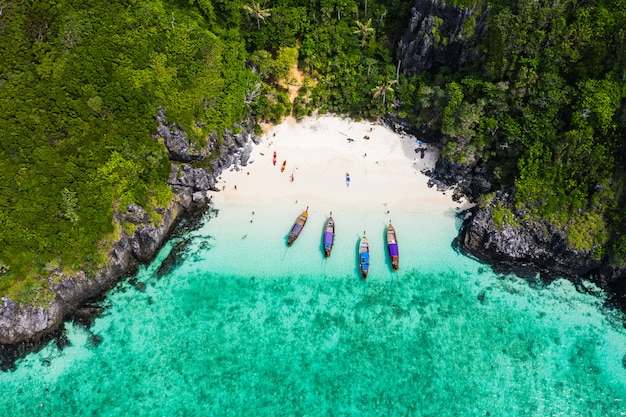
(297, 227)
(329, 235)
(392, 245)
(364, 256)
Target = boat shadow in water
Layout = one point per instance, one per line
(357, 264)
(385, 250)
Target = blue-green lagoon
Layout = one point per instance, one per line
(243, 325)
(229, 321)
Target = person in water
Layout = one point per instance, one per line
(347, 179)
(274, 159)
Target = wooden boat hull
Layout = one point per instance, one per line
(329, 236)
(364, 257)
(297, 227)
(392, 246)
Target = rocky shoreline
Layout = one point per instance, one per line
(520, 247)
(24, 329)
(534, 251)
(531, 249)
(527, 249)
(524, 249)
(537, 253)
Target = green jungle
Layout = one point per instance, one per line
(82, 81)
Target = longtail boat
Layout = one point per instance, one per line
(329, 235)
(392, 244)
(364, 256)
(297, 227)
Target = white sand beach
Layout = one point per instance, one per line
(384, 168)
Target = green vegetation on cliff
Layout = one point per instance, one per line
(81, 82)
(544, 107)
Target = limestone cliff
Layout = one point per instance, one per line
(530, 247)
(440, 35)
(22, 327)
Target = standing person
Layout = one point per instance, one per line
(274, 159)
(282, 168)
(347, 179)
(292, 177)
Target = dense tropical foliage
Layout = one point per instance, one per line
(81, 81)
(545, 109)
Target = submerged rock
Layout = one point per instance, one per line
(175, 258)
(87, 314)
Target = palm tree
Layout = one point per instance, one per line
(363, 29)
(257, 12)
(382, 89)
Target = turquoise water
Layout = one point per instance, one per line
(242, 325)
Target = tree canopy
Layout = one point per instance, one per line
(544, 105)
(81, 82)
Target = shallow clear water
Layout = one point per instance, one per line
(240, 324)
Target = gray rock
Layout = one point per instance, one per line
(179, 148)
(245, 154)
(435, 37)
(471, 179)
(32, 321)
(518, 245)
(25, 325)
(195, 179)
(200, 198)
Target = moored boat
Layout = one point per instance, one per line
(364, 256)
(297, 227)
(329, 235)
(392, 244)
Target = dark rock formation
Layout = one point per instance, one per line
(404, 126)
(471, 179)
(522, 245)
(179, 148)
(24, 328)
(437, 37)
(440, 35)
(527, 249)
(86, 314)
